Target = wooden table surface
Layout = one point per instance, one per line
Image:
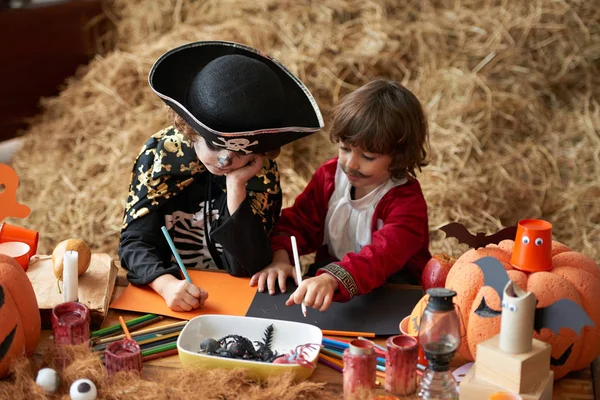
(575, 386)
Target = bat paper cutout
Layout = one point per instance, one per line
(563, 313)
(458, 231)
(9, 206)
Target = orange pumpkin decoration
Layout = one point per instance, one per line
(571, 275)
(21, 324)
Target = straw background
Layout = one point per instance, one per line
(510, 88)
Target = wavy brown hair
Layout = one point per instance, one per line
(190, 134)
(384, 117)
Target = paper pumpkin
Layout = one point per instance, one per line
(572, 276)
(21, 324)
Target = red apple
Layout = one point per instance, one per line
(436, 270)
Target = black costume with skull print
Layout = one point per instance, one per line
(170, 187)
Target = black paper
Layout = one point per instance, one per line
(379, 312)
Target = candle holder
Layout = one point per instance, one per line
(401, 365)
(123, 356)
(71, 324)
(360, 366)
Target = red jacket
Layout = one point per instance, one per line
(401, 242)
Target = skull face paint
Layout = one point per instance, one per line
(220, 160)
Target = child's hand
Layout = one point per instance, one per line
(274, 272)
(180, 295)
(316, 292)
(279, 270)
(240, 176)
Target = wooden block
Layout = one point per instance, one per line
(517, 373)
(472, 388)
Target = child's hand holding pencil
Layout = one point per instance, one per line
(314, 292)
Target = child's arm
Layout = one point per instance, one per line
(141, 251)
(305, 219)
(403, 235)
(244, 235)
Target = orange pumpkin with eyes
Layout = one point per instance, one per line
(21, 324)
(566, 274)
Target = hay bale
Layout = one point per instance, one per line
(510, 88)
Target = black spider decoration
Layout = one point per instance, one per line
(236, 346)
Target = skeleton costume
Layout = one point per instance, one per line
(237, 99)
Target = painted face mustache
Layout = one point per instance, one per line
(352, 172)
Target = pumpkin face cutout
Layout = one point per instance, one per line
(12, 340)
(573, 276)
(20, 309)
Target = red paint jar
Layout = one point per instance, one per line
(401, 365)
(71, 324)
(360, 366)
(123, 356)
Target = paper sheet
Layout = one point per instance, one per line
(96, 287)
(227, 295)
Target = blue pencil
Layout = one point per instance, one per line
(335, 343)
(380, 360)
(176, 254)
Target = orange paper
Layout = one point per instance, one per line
(227, 295)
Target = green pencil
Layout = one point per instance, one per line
(117, 328)
(158, 349)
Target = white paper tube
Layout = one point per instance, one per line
(70, 276)
(518, 313)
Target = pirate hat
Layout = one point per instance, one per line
(235, 96)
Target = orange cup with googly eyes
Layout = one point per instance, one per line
(532, 251)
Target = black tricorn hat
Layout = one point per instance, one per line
(235, 96)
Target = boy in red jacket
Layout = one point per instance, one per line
(362, 212)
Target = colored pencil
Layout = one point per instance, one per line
(334, 343)
(130, 324)
(166, 353)
(146, 333)
(159, 349)
(338, 339)
(348, 333)
(176, 254)
(124, 327)
(298, 269)
(156, 336)
(383, 349)
(332, 360)
(159, 341)
(340, 355)
(330, 365)
(159, 337)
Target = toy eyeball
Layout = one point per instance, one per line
(83, 389)
(504, 304)
(539, 241)
(512, 307)
(48, 379)
(525, 239)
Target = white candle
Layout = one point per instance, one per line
(70, 276)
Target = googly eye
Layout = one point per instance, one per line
(83, 389)
(504, 304)
(539, 241)
(525, 240)
(512, 307)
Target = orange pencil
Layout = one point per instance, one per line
(348, 333)
(124, 326)
(332, 360)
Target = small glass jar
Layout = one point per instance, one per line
(439, 334)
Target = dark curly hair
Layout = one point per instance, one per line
(384, 117)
